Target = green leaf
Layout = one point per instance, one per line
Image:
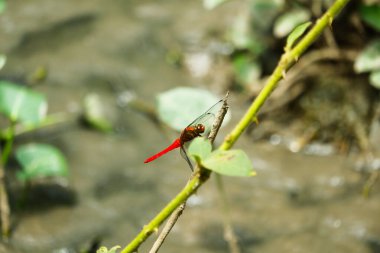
(2, 5)
(105, 250)
(40, 161)
(230, 163)
(22, 104)
(3, 60)
(369, 58)
(96, 113)
(211, 4)
(180, 106)
(200, 148)
(374, 79)
(289, 21)
(371, 15)
(246, 70)
(295, 34)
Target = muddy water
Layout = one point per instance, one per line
(296, 203)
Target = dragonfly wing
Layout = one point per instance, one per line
(186, 157)
(207, 117)
(207, 114)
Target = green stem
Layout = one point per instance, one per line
(4, 203)
(286, 61)
(284, 64)
(49, 121)
(153, 225)
(8, 144)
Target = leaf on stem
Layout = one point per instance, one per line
(295, 34)
(289, 21)
(230, 163)
(40, 161)
(22, 104)
(200, 148)
(105, 250)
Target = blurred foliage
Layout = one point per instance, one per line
(20, 104)
(371, 15)
(40, 161)
(180, 106)
(253, 32)
(105, 250)
(211, 4)
(369, 61)
(27, 107)
(96, 113)
(3, 60)
(286, 22)
(2, 5)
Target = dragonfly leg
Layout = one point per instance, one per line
(186, 157)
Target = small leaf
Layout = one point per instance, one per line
(2, 5)
(22, 104)
(230, 163)
(38, 75)
(371, 15)
(374, 79)
(369, 58)
(246, 70)
(200, 148)
(295, 34)
(105, 250)
(96, 113)
(3, 60)
(211, 4)
(40, 161)
(290, 21)
(180, 106)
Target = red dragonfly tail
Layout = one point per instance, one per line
(174, 145)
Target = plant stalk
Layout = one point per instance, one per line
(284, 64)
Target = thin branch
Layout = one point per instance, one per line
(4, 206)
(218, 119)
(229, 234)
(167, 228)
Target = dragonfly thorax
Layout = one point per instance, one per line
(191, 132)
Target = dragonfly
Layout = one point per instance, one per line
(201, 126)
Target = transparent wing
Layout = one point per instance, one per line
(208, 117)
(186, 157)
(209, 113)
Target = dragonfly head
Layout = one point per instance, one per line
(200, 128)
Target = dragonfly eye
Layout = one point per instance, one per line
(200, 128)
